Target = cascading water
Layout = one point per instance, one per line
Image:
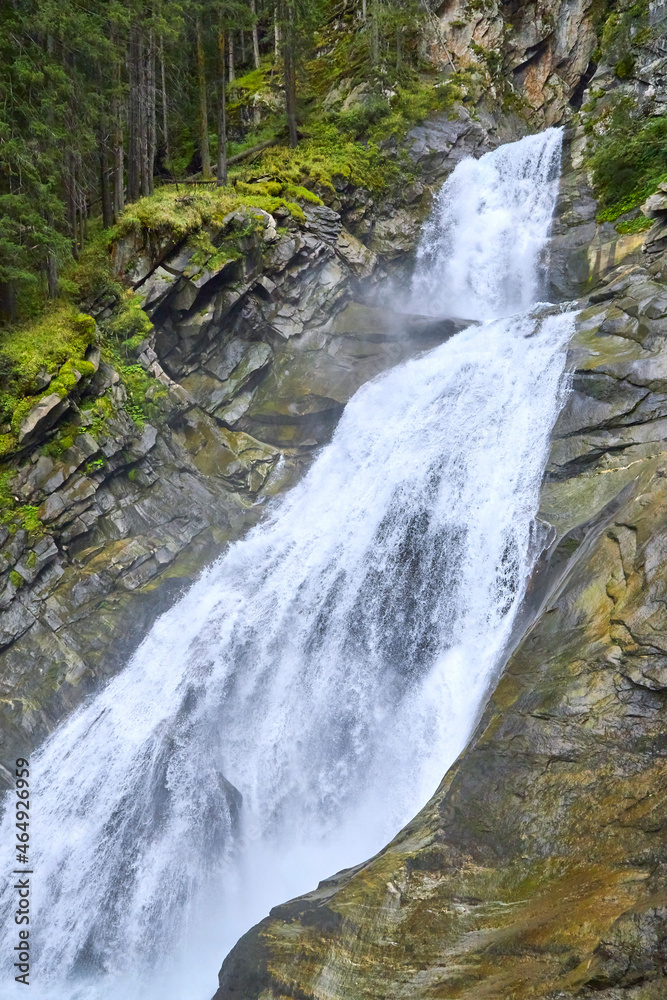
(303, 700)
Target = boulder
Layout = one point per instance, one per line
(41, 417)
(655, 207)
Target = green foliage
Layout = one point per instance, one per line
(53, 345)
(15, 515)
(318, 160)
(90, 275)
(140, 405)
(101, 410)
(129, 324)
(171, 211)
(629, 161)
(59, 335)
(624, 68)
(638, 225)
(16, 579)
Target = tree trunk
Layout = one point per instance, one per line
(222, 111)
(72, 202)
(289, 70)
(203, 107)
(242, 37)
(255, 33)
(118, 157)
(375, 33)
(80, 202)
(134, 116)
(363, 10)
(232, 75)
(8, 311)
(146, 112)
(105, 186)
(117, 124)
(165, 133)
(52, 276)
(276, 33)
(151, 124)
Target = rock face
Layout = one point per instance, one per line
(542, 50)
(539, 868)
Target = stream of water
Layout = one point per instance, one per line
(304, 699)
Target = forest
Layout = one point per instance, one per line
(102, 103)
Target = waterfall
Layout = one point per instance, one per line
(482, 249)
(307, 694)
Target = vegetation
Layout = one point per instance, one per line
(102, 102)
(627, 151)
(629, 161)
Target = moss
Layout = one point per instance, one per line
(629, 160)
(16, 579)
(69, 376)
(140, 405)
(638, 225)
(129, 323)
(31, 560)
(95, 465)
(62, 440)
(7, 444)
(61, 333)
(624, 68)
(171, 211)
(101, 410)
(55, 345)
(15, 515)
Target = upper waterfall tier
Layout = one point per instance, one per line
(483, 249)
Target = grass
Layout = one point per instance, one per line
(54, 344)
(638, 225)
(181, 213)
(14, 515)
(60, 335)
(628, 163)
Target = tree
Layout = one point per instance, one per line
(231, 13)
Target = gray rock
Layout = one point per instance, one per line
(42, 417)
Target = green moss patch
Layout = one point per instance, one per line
(629, 162)
(14, 514)
(180, 212)
(61, 334)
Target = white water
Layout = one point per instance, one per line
(485, 238)
(305, 697)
